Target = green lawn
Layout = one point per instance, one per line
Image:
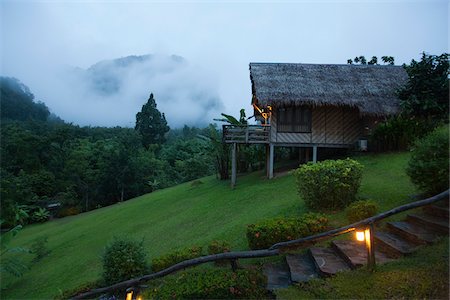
(182, 216)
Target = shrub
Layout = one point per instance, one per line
(398, 133)
(41, 215)
(265, 234)
(217, 247)
(175, 257)
(329, 184)
(428, 166)
(69, 211)
(361, 210)
(39, 248)
(123, 259)
(211, 284)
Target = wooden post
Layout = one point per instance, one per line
(271, 155)
(267, 160)
(369, 232)
(307, 155)
(233, 165)
(314, 154)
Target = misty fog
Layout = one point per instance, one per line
(111, 92)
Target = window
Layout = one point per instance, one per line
(294, 119)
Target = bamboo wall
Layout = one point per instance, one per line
(330, 125)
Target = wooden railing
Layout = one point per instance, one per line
(249, 134)
(272, 251)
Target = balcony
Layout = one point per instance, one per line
(250, 134)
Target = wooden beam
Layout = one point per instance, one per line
(271, 157)
(314, 154)
(233, 165)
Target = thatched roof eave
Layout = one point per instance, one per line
(372, 89)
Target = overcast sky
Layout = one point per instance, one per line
(217, 40)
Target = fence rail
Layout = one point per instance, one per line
(249, 134)
(272, 251)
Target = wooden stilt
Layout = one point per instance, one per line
(233, 165)
(314, 154)
(271, 156)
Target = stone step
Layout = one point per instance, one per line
(302, 267)
(278, 276)
(433, 222)
(393, 245)
(328, 261)
(413, 232)
(355, 253)
(437, 210)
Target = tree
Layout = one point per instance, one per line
(426, 93)
(151, 124)
(389, 60)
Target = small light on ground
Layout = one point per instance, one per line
(360, 236)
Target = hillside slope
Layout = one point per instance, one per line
(181, 216)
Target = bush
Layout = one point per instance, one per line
(175, 257)
(329, 184)
(428, 166)
(398, 133)
(39, 248)
(211, 284)
(41, 215)
(69, 211)
(361, 210)
(265, 234)
(123, 259)
(217, 247)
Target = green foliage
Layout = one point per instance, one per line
(175, 257)
(17, 102)
(360, 210)
(266, 233)
(41, 215)
(399, 133)
(428, 166)
(211, 284)
(217, 247)
(68, 211)
(123, 259)
(39, 248)
(11, 262)
(426, 93)
(83, 288)
(223, 216)
(373, 61)
(151, 124)
(330, 184)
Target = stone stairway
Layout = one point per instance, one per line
(394, 241)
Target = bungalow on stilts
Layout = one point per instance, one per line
(312, 106)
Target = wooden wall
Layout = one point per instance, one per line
(330, 125)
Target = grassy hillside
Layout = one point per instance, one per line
(181, 216)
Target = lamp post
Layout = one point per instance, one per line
(367, 235)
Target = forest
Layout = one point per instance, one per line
(51, 168)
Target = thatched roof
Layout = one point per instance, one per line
(371, 88)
